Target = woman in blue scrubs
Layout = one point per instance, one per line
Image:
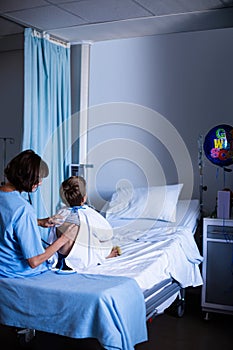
(21, 249)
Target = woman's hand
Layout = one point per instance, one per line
(46, 222)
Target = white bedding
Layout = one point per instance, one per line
(187, 216)
(153, 251)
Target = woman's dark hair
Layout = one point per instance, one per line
(25, 170)
(73, 190)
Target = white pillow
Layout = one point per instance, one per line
(157, 202)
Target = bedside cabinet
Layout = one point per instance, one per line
(217, 267)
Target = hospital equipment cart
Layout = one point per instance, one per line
(217, 266)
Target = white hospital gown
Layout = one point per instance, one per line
(94, 240)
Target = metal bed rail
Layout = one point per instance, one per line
(161, 292)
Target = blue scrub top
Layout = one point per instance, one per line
(20, 237)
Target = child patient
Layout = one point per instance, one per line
(92, 236)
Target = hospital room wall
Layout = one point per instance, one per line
(185, 78)
(11, 97)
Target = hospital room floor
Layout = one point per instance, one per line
(191, 331)
(166, 332)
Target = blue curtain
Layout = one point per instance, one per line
(47, 113)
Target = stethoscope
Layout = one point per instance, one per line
(30, 201)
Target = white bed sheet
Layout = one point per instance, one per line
(188, 213)
(153, 253)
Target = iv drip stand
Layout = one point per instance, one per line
(200, 164)
(5, 139)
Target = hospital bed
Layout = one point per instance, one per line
(158, 245)
(113, 301)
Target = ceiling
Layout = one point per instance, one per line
(97, 20)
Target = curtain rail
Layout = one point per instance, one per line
(50, 38)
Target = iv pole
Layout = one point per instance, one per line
(200, 164)
(5, 139)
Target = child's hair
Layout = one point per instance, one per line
(73, 190)
(26, 170)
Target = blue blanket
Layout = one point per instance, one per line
(110, 309)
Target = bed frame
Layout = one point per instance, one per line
(162, 292)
